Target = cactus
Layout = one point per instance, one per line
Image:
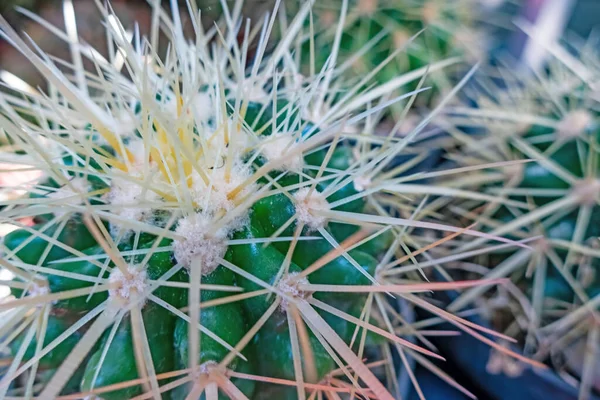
(210, 224)
(551, 121)
(413, 34)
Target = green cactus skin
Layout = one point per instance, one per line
(74, 235)
(55, 327)
(569, 157)
(276, 351)
(120, 365)
(228, 322)
(112, 359)
(58, 283)
(575, 153)
(262, 262)
(566, 155)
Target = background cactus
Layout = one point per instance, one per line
(412, 34)
(551, 120)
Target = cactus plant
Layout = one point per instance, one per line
(412, 34)
(551, 120)
(211, 225)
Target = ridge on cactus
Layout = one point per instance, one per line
(212, 223)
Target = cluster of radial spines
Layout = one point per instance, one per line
(537, 115)
(194, 97)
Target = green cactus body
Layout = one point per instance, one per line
(228, 322)
(574, 158)
(558, 189)
(54, 328)
(120, 364)
(566, 155)
(276, 354)
(388, 25)
(74, 235)
(262, 262)
(168, 335)
(58, 283)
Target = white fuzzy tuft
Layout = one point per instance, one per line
(213, 198)
(289, 287)
(39, 289)
(400, 37)
(200, 242)
(575, 123)
(279, 147)
(305, 207)
(206, 367)
(203, 107)
(126, 286)
(587, 191)
(254, 92)
(362, 183)
(35, 290)
(126, 195)
(125, 124)
(71, 194)
(430, 13)
(137, 148)
(367, 7)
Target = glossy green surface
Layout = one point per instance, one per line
(74, 234)
(54, 328)
(119, 364)
(227, 322)
(262, 262)
(59, 283)
(276, 358)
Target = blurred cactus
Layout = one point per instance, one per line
(414, 34)
(552, 121)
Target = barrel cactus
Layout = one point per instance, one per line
(209, 222)
(390, 38)
(552, 122)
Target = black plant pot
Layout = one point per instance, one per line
(434, 388)
(468, 357)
